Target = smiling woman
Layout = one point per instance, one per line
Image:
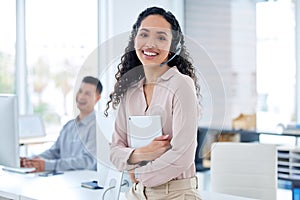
(155, 78)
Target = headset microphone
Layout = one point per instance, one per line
(178, 49)
(163, 63)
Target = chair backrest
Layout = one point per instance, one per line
(201, 139)
(244, 169)
(31, 126)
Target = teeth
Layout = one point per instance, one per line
(149, 53)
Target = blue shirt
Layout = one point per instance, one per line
(75, 147)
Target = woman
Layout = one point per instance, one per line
(155, 77)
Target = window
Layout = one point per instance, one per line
(59, 37)
(276, 68)
(7, 47)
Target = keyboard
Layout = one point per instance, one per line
(19, 170)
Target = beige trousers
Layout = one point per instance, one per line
(184, 189)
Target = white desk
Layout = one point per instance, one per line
(66, 186)
(38, 140)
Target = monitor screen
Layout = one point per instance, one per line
(9, 142)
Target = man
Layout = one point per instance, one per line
(75, 147)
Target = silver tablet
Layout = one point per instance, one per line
(143, 129)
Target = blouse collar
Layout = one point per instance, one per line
(164, 77)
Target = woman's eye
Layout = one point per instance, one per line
(161, 38)
(143, 35)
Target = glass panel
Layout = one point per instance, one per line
(276, 68)
(7, 46)
(59, 37)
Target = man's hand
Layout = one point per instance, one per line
(37, 162)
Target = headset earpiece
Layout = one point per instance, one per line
(177, 52)
(178, 47)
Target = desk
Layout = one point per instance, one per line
(252, 135)
(286, 133)
(66, 186)
(32, 186)
(38, 140)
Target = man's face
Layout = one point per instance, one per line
(86, 97)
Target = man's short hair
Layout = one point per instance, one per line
(94, 81)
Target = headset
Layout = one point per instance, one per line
(177, 52)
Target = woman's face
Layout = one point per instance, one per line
(153, 40)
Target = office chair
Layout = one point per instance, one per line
(201, 139)
(244, 169)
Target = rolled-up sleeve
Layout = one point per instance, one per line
(119, 148)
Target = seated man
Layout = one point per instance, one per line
(75, 147)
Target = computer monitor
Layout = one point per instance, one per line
(9, 142)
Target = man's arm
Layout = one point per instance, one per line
(51, 156)
(44, 161)
(53, 152)
(82, 154)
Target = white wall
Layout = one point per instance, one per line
(121, 15)
(225, 57)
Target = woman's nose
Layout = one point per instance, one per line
(151, 43)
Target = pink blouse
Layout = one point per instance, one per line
(174, 99)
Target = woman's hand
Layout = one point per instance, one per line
(153, 150)
(132, 177)
(157, 147)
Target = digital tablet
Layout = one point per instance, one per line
(143, 129)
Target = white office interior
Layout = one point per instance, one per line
(246, 54)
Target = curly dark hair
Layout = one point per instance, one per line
(130, 61)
